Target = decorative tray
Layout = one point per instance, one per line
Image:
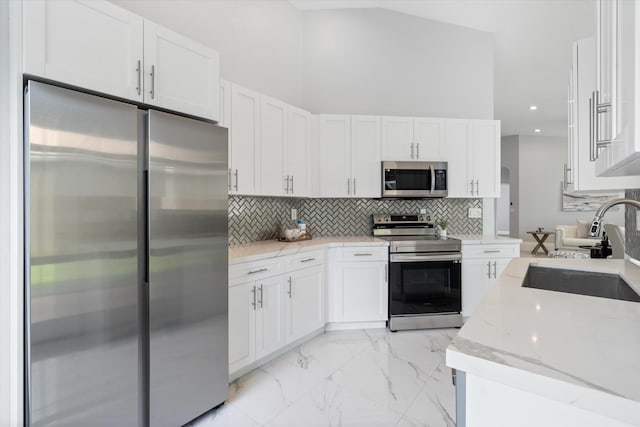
(297, 239)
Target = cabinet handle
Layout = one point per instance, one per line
(489, 269)
(495, 269)
(363, 254)
(139, 71)
(354, 187)
(286, 188)
(261, 270)
(348, 186)
(152, 92)
(291, 184)
(598, 109)
(477, 187)
(412, 150)
(417, 150)
(236, 175)
(229, 179)
(592, 151)
(253, 291)
(386, 273)
(472, 187)
(491, 252)
(289, 291)
(260, 301)
(307, 259)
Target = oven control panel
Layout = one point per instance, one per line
(401, 218)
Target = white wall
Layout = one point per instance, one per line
(511, 160)
(260, 41)
(375, 61)
(540, 176)
(11, 223)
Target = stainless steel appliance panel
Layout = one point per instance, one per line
(414, 179)
(188, 279)
(82, 284)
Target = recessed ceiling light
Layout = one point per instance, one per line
(533, 107)
(536, 130)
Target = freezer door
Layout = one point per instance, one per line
(188, 369)
(81, 255)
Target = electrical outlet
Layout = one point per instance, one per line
(423, 211)
(475, 213)
(294, 214)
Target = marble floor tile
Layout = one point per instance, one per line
(348, 378)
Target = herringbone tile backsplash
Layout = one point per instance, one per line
(253, 219)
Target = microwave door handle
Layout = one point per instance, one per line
(433, 178)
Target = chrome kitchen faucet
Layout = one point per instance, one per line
(596, 225)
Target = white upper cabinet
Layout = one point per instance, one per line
(366, 166)
(180, 74)
(335, 155)
(349, 156)
(407, 138)
(94, 45)
(99, 46)
(273, 130)
(473, 154)
(580, 172)
(615, 144)
(296, 154)
(245, 137)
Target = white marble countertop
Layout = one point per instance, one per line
(579, 350)
(483, 239)
(271, 248)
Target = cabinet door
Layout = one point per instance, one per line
(397, 138)
(364, 291)
(366, 167)
(94, 45)
(335, 156)
(298, 142)
(245, 136)
(269, 315)
(242, 326)
(225, 103)
(458, 140)
(305, 302)
(484, 152)
(180, 74)
(477, 277)
(429, 138)
(273, 129)
(606, 68)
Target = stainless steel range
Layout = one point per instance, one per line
(424, 273)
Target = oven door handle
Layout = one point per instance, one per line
(425, 258)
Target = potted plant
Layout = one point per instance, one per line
(443, 224)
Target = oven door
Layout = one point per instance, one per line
(425, 284)
(414, 179)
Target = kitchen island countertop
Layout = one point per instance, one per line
(577, 350)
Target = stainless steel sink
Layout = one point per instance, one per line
(590, 283)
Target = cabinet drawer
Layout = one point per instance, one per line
(491, 251)
(380, 253)
(304, 260)
(255, 270)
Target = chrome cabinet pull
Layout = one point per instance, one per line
(472, 187)
(412, 150)
(260, 270)
(289, 291)
(491, 252)
(417, 150)
(363, 254)
(152, 92)
(260, 301)
(229, 179)
(477, 187)
(354, 187)
(253, 291)
(348, 186)
(236, 175)
(386, 273)
(597, 109)
(291, 184)
(307, 259)
(488, 269)
(286, 188)
(592, 150)
(139, 71)
(495, 269)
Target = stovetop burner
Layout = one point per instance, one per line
(411, 233)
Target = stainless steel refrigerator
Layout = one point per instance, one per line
(126, 251)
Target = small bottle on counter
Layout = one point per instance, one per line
(302, 226)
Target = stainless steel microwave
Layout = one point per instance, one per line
(414, 179)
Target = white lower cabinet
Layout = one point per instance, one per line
(273, 302)
(481, 266)
(359, 285)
